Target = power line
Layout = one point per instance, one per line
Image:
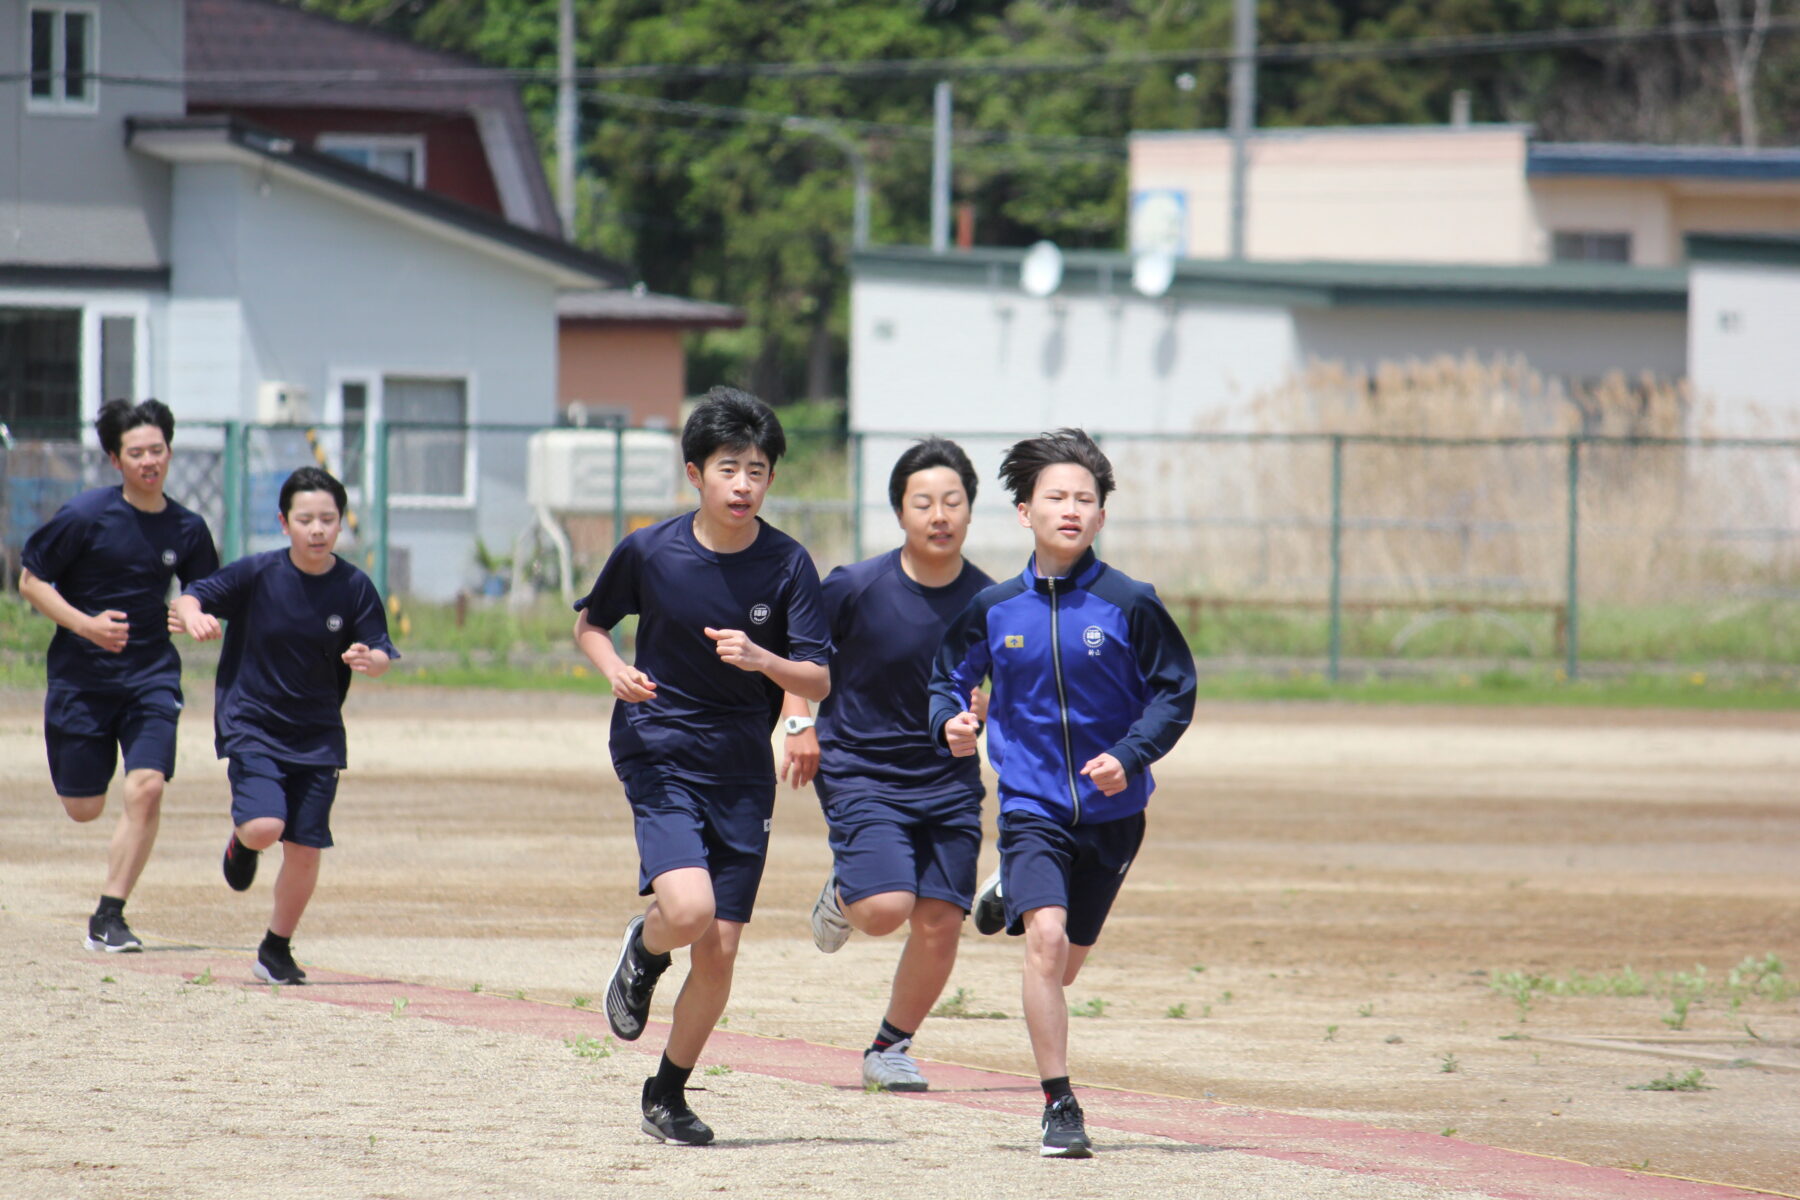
(1446, 46)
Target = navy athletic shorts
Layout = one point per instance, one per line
(926, 846)
(1045, 864)
(85, 731)
(295, 793)
(723, 827)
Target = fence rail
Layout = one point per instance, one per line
(1341, 547)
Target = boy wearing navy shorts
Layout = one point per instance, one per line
(905, 820)
(729, 618)
(1092, 682)
(101, 569)
(299, 623)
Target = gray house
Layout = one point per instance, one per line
(247, 278)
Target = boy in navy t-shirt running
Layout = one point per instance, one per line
(299, 623)
(1092, 682)
(905, 820)
(729, 618)
(101, 569)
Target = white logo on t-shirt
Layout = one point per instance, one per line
(759, 614)
(334, 622)
(168, 558)
(1094, 636)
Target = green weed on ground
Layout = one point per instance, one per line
(1753, 979)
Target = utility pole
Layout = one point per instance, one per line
(940, 168)
(565, 117)
(859, 170)
(1243, 114)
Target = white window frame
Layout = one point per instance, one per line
(331, 142)
(93, 306)
(375, 381)
(58, 104)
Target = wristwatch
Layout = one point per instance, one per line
(795, 725)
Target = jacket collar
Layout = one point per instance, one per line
(1087, 568)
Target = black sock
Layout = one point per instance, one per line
(237, 846)
(887, 1036)
(670, 1080)
(109, 904)
(641, 953)
(274, 941)
(1058, 1089)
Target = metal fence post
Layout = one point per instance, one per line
(618, 530)
(1572, 600)
(378, 505)
(856, 497)
(233, 492)
(1337, 554)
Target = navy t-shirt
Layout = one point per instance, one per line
(874, 735)
(282, 678)
(709, 720)
(101, 553)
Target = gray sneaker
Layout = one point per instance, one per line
(893, 1070)
(829, 927)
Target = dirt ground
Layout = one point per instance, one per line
(1326, 899)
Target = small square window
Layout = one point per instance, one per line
(1591, 247)
(396, 156)
(63, 57)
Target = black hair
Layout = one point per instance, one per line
(1026, 460)
(313, 479)
(119, 417)
(923, 455)
(734, 420)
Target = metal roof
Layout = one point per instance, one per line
(1311, 284)
(1617, 159)
(642, 307)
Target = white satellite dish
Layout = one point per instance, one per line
(1152, 272)
(1041, 272)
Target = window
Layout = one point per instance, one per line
(62, 54)
(354, 395)
(118, 359)
(427, 464)
(40, 372)
(397, 157)
(1591, 247)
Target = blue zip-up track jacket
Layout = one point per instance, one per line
(1083, 665)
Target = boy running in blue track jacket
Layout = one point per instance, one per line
(101, 568)
(729, 618)
(301, 622)
(1092, 682)
(905, 820)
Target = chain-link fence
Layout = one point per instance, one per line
(1339, 553)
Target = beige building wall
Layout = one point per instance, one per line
(1431, 194)
(636, 368)
(1426, 194)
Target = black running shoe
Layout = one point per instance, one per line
(276, 965)
(1065, 1135)
(633, 983)
(109, 932)
(990, 910)
(669, 1119)
(240, 864)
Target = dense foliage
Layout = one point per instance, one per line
(744, 210)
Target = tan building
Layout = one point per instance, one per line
(622, 354)
(1454, 193)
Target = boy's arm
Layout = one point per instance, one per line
(628, 683)
(1168, 668)
(194, 621)
(810, 680)
(960, 665)
(799, 751)
(109, 630)
(364, 660)
(372, 652)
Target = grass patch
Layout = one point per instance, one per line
(1691, 1080)
(1753, 979)
(1516, 687)
(961, 1004)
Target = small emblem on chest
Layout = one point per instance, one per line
(759, 614)
(334, 622)
(168, 557)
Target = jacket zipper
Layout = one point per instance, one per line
(1062, 702)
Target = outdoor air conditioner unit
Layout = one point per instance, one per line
(572, 470)
(282, 404)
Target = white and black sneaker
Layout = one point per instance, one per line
(830, 928)
(669, 1119)
(893, 1070)
(109, 933)
(1065, 1134)
(990, 910)
(633, 983)
(275, 964)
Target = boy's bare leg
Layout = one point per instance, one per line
(294, 886)
(711, 962)
(681, 911)
(135, 834)
(925, 962)
(1051, 964)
